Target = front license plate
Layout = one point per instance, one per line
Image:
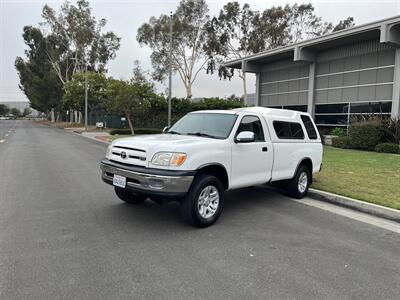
(119, 181)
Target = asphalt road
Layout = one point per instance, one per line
(6, 127)
(64, 235)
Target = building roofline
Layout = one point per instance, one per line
(318, 40)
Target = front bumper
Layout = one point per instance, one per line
(148, 181)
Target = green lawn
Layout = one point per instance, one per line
(369, 176)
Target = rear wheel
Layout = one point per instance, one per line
(203, 204)
(299, 184)
(129, 197)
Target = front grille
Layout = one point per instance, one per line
(129, 148)
(142, 158)
(128, 165)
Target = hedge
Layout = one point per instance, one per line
(388, 148)
(338, 131)
(155, 116)
(366, 135)
(371, 133)
(137, 131)
(341, 142)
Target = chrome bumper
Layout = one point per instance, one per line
(142, 181)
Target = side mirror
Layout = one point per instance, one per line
(165, 129)
(245, 137)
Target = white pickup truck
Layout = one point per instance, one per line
(208, 152)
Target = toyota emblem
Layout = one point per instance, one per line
(123, 154)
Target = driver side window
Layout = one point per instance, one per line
(252, 124)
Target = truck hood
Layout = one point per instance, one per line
(140, 149)
(162, 141)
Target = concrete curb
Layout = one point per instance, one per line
(96, 141)
(369, 208)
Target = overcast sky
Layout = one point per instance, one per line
(125, 16)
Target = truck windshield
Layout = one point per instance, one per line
(214, 125)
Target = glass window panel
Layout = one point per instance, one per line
(332, 108)
(288, 130)
(252, 124)
(331, 119)
(302, 108)
(308, 124)
(371, 107)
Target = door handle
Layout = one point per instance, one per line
(264, 149)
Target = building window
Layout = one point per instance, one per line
(340, 114)
(332, 108)
(371, 107)
(302, 108)
(331, 120)
(308, 124)
(288, 130)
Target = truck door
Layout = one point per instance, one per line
(252, 161)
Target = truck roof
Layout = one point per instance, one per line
(265, 111)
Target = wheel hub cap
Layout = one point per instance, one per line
(303, 182)
(208, 201)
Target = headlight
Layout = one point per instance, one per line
(108, 152)
(168, 159)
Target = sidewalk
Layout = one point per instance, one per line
(98, 136)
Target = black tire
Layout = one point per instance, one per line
(190, 204)
(129, 197)
(293, 188)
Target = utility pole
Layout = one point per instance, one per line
(86, 98)
(170, 70)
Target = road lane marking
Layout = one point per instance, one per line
(2, 141)
(352, 214)
(6, 135)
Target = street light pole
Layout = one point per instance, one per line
(170, 70)
(86, 96)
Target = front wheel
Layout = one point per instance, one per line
(129, 197)
(203, 204)
(299, 184)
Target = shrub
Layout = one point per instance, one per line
(392, 130)
(120, 131)
(338, 131)
(366, 135)
(137, 131)
(388, 148)
(341, 142)
(147, 131)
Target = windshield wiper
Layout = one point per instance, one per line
(202, 134)
(173, 132)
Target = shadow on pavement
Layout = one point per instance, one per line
(239, 204)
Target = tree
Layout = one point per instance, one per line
(74, 91)
(188, 55)
(38, 80)
(344, 24)
(79, 38)
(4, 109)
(15, 112)
(67, 42)
(304, 24)
(238, 31)
(128, 98)
(27, 111)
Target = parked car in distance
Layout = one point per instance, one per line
(208, 152)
